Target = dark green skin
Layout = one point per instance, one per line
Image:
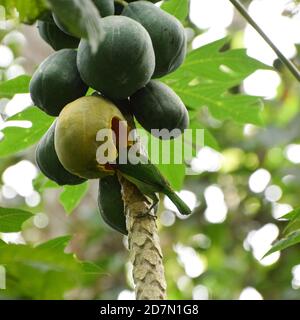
(148, 179)
(47, 161)
(61, 26)
(57, 82)
(157, 106)
(105, 8)
(56, 38)
(124, 61)
(46, 16)
(153, 1)
(119, 7)
(110, 203)
(166, 32)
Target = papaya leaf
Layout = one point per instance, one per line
(209, 139)
(157, 151)
(11, 219)
(41, 182)
(54, 271)
(207, 75)
(178, 8)
(58, 243)
(72, 195)
(28, 10)
(292, 215)
(18, 138)
(294, 221)
(91, 268)
(81, 17)
(174, 173)
(17, 85)
(290, 240)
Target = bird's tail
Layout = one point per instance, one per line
(181, 205)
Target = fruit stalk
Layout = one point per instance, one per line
(243, 11)
(144, 246)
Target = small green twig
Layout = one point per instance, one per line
(243, 11)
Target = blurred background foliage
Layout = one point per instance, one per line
(245, 178)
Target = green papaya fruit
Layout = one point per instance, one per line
(48, 162)
(110, 203)
(166, 32)
(157, 106)
(56, 38)
(153, 1)
(77, 141)
(57, 82)
(105, 8)
(124, 61)
(119, 7)
(46, 16)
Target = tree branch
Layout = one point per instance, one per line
(144, 246)
(243, 11)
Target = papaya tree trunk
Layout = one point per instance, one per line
(144, 246)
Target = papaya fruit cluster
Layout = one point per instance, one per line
(141, 43)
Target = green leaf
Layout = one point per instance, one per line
(81, 17)
(292, 215)
(178, 8)
(11, 219)
(207, 75)
(209, 139)
(284, 243)
(17, 138)
(91, 268)
(72, 195)
(174, 173)
(54, 271)
(58, 243)
(41, 182)
(17, 85)
(294, 224)
(29, 10)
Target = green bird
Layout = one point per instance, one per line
(148, 179)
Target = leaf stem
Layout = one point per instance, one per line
(243, 11)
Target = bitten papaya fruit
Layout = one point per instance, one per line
(81, 147)
(166, 32)
(56, 38)
(110, 203)
(48, 162)
(105, 8)
(157, 106)
(124, 61)
(57, 82)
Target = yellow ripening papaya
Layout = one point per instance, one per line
(77, 139)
